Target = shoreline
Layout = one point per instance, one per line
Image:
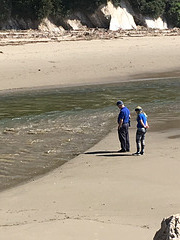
(154, 126)
(165, 76)
(101, 194)
(154, 129)
(112, 192)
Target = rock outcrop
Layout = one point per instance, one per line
(114, 18)
(170, 229)
(17, 24)
(47, 25)
(107, 16)
(158, 23)
(121, 17)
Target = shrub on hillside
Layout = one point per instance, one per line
(5, 9)
(39, 9)
(33, 9)
(173, 12)
(152, 8)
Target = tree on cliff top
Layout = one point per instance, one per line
(33, 9)
(152, 8)
(39, 9)
(173, 12)
(5, 9)
(87, 5)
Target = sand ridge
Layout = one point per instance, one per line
(88, 62)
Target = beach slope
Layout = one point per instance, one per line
(100, 194)
(71, 63)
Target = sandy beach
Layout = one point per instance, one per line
(88, 62)
(100, 194)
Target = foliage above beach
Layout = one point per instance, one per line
(159, 8)
(39, 9)
(173, 12)
(153, 8)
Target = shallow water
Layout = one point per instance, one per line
(41, 129)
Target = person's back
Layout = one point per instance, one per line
(142, 126)
(124, 114)
(123, 124)
(141, 117)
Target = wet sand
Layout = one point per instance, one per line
(101, 194)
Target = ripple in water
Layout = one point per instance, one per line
(42, 129)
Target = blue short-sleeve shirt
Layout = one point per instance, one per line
(124, 114)
(140, 117)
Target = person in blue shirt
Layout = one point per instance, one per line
(123, 126)
(142, 126)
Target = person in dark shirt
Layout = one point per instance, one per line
(123, 126)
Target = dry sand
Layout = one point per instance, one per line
(101, 195)
(98, 195)
(88, 62)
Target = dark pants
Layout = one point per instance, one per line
(140, 139)
(124, 137)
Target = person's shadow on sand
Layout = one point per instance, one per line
(109, 154)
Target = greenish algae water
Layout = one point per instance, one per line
(42, 129)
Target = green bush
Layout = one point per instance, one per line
(22, 8)
(57, 8)
(34, 9)
(44, 8)
(5, 9)
(152, 8)
(87, 5)
(173, 12)
(38, 9)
